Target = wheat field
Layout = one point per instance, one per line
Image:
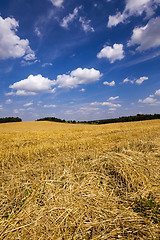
(77, 181)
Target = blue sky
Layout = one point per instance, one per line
(82, 60)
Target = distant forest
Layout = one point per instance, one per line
(10, 119)
(138, 117)
(52, 119)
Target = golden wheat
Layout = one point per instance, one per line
(64, 181)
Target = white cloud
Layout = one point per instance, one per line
(141, 80)
(33, 85)
(66, 20)
(57, 3)
(86, 75)
(10, 94)
(137, 7)
(148, 100)
(77, 77)
(8, 101)
(49, 106)
(112, 109)
(24, 63)
(47, 64)
(157, 93)
(106, 104)
(111, 84)
(134, 8)
(87, 110)
(37, 32)
(72, 16)
(126, 80)
(30, 55)
(29, 109)
(146, 37)
(114, 20)
(86, 25)
(1, 107)
(66, 81)
(82, 90)
(24, 93)
(113, 54)
(38, 84)
(22, 110)
(28, 104)
(137, 81)
(11, 46)
(110, 104)
(113, 98)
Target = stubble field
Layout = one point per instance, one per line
(80, 182)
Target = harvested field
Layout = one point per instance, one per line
(80, 182)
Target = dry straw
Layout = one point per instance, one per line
(68, 182)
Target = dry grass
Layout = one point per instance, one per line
(64, 182)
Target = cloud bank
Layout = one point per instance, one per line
(39, 84)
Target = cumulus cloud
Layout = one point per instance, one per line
(126, 80)
(141, 80)
(28, 104)
(137, 81)
(148, 100)
(49, 106)
(77, 77)
(69, 18)
(113, 54)
(30, 55)
(116, 19)
(33, 85)
(111, 84)
(82, 90)
(1, 107)
(146, 37)
(38, 84)
(157, 93)
(113, 98)
(109, 104)
(24, 93)
(134, 8)
(11, 46)
(86, 25)
(57, 3)
(10, 94)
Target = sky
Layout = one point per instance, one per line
(79, 59)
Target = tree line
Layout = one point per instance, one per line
(138, 117)
(52, 119)
(10, 119)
